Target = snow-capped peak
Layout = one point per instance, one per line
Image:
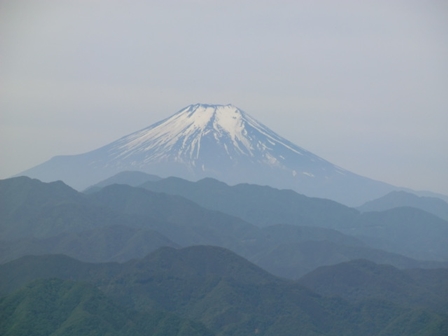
(186, 129)
(218, 141)
(212, 140)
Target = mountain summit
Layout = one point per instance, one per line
(216, 140)
(219, 141)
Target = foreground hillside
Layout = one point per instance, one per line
(211, 285)
(64, 307)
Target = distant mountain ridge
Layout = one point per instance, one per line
(120, 222)
(396, 199)
(218, 141)
(259, 205)
(426, 235)
(131, 178)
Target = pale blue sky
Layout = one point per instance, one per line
(363, 84)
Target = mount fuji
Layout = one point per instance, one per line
(218, 141)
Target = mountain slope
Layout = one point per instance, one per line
(219, 141)
(396, 199)
(259, 205)
(408, 231)
(295, 259)
(30, 208)
(360, 279)
(109, 243)
(131, 178)
(181, 220)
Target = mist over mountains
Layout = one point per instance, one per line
(218, 141)
(206, 258)
(209, 223)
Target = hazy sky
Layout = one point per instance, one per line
(362, 83)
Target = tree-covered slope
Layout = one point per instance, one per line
(64, 307)
(361, 279)
(228, 294)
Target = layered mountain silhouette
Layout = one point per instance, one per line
(120, 222)
(219, 141)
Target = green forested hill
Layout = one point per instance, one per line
(63, 307)
(227, 294)
(361, 279)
